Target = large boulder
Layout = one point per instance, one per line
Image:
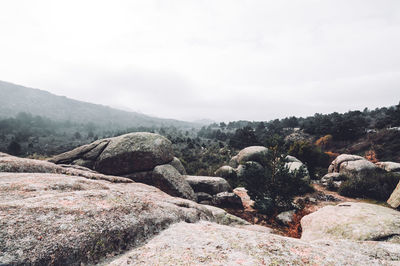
(55, 219)
(226, 172)
(166, 178)
(227, 200)
(352, 220)
(249, 168)
(208, 243)
(351, 165)
(208, 184)
(177, 164)
(332, 180)
(133, 153)
(252, 153)
(121, 155)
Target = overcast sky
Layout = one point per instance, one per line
(193, 59)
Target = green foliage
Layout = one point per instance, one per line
(274, 188)
(317, 161)
(14, 148)
(243, 137)
(377, 185)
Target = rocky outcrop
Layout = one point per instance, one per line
(351, 165)
(226, 172)
(332, 180)
(214, 191)
(69, 220)
(208, 243)
(121, 155)
(354, 221)
(392, 167)
(142, 157)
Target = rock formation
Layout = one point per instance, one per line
(352, 220)
(143, 157)
(70, 215)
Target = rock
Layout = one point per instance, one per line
(292, 159)
(351, 165)
(247, 202)
(250, 168)
(332, 180)
(252, 153)
(352, 220)
(208, 184)
(14, 164)
(220, 216)
(167, 179)
(296, 165)
(178, 166)
(394, 199)
(234, 162)
(226, 172)
(129, 153)
(208, 243)
(389, 166)
(227, 200)
(133, 153)
(204, 197)
(286, 217)
(69, 220)
(86, 152)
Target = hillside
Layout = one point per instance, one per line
(15, 99)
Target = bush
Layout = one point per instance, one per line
(377, 185)
(274, 188)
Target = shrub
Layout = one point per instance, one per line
(376, 185)
(274, 188)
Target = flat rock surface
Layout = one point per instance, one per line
(208, 243)
(62, 219)
(352, 220)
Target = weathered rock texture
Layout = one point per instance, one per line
(352, 220)
(252, 153)
(394, 199)
(215, 191)
(207, 243)
(142, 157)
(389, 166)
(351, 165)
(68, 220)
(121, 155)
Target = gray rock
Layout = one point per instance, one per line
(167, 179)
(252, 153)
(178, 166)
(234, 162)
(352, 220)
(208, 184)
(389, 166)
(129, 153)
(332, 180)
(394, 199)
(226, 172)
(207, 243)
(69, 220)
(286, 217)
(204, 197)
(297, 166)
(343, 163)
(249, 168)
(227, 200)
(133, 153)
(292, 159)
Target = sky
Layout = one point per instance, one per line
(223, 60)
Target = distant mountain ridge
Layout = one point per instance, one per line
(15, 99)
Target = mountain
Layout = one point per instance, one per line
(15, 99)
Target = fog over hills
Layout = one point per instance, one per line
(15, 99)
